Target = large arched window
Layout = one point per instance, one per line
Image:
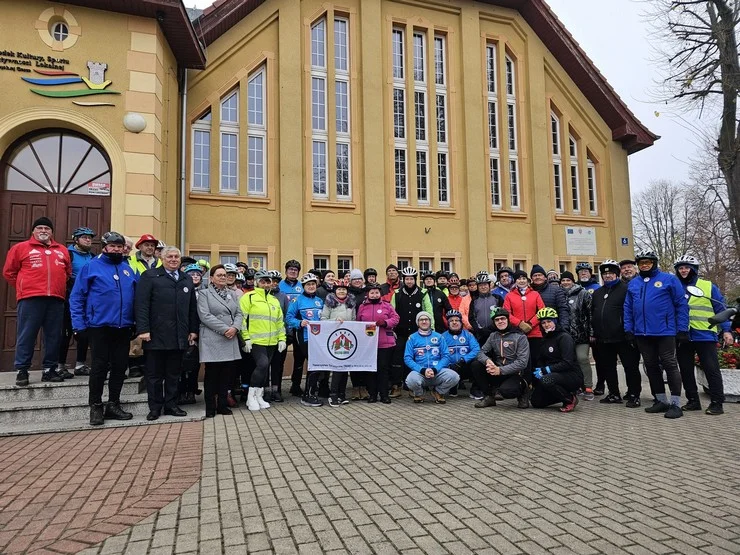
(56, 161)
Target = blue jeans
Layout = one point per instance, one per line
(35, 313)
(443, 381)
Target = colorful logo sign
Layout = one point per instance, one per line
(342, 344)
(96, 82)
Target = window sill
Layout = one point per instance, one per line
(424, 209)
(333, 204)
(229, 198)
(509, 214)
(579, 219)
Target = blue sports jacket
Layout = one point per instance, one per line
(461, 347)
(103, 295)
(426, 351)
(79, 260)
(304, 308)
(656, 305)
(291, 291)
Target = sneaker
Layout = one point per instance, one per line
(21, 380)
(84, 370)
(50, 375)
(395, 392)
(333, 401)
(588, 394)
(674, 412)
(296, 391)
(633, 402)
(658, 406)
(438, 397)
(476, 394)
(115, 412)
(599, 390)
(343, 401)
(64, 373)
(523, 399)
(693, 404)
(96, 415)
(714, 408)
(612, 399)
(453, 392)
(569, 406)
(487, 401)
(418, 399)
(311, 401)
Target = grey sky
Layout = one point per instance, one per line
(614, 34)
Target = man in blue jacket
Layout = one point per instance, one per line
(462, 349)
(102, 308)
(703, 337)
(427, 358)
(656, 317)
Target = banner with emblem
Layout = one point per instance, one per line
(342, 346)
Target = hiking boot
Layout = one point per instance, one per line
(588, 394)
(569, 406)
(51, 375)
(523, 399)
(714, 408)
(658, 406)
(277, 396)
(418, 399)
(395, 392)
(83, 370)
(64, 373)
(599, 390)
(487, 401)
(355, 395)
(311, 401)
(115, 412)
(385, 400)
(692, 404)
(611, 399)
(674, 412)
(364, 395)
(135, 372)
(21, 380)
(438, 397)
(334, 401)
(96, 415)
(498, 396)
(633, 402)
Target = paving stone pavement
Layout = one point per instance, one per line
(454, 479)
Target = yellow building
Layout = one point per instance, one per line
(459, 134)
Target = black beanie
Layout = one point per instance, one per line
(567, 274)
(391, 266)
(518, 274)
(537, 269)
(43, 220)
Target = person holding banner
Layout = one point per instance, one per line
(375, 309)
(339, 306)
(427, 358)
(304, 309)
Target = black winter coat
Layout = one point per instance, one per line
(167, 309)
(579, 300)
(607, 312)
(440, 305)
(554, 297)
(558, 351)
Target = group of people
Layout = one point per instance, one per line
(514, 335)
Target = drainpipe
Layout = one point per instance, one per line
(183, 146)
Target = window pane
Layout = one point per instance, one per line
(491, 68)
(441, 119)
(230, 109)
(399, 114)
(555, 135)
(495, 183)
(575, 194)
(318, 41)
(318, 103)
(492, 126)
(201, 160)
(319, 168)
(573, 148)
(439, 61)
(444, 197)
(512, 127)
(397, 54)
(344, 264)
(341, 58)
(514, 183)
(255, 93)
(342, 106)
(558, 187)
(419, 57)
(343, 170)
(228, 258)
(421, 119)
(400, 174)
(425, 265)
(321, 263)
(228, 162)
(510, 90)
(422, 184)
(591, 175)
(256, 148)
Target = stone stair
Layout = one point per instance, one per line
(43, 407)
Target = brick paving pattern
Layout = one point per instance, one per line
(455, 479)
(65, 492)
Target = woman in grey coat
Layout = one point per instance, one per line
(220, 324)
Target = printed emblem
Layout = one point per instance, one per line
(227, 296)
(315, 328)
(33, 251)
(658, 284)
(463, 350)
(342, 344)
(116, 277)
(462, 340)
(687, 296)
(185, 290)
(309, 314)
(126, 273)
(298, 288)
(435, 351)
(550, 349)
(47, 251)
(420, 352)
(439, 300)
(317, 304)
(434, 340)
(418, 305)
(507, 343)
(524, 297)
(380, 311)
(646, 279)
(370, 330)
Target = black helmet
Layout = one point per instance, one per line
(370, 272)
(375, 285)
(443, 273)
(293, 264)
(249, 273)
(113, 238)
(428, 274)
(504, 269)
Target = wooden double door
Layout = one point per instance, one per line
(18, 211)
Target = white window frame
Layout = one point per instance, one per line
(447, 265)
(575, 182)
(515, 201)
(319, 111)
(201, 125)
(422, 177)
(343, 261)
(403, 263)
(340, 193)
(343, 136)
(316, 166)
(425, 265)
(404, 187)
(262, 257)
(494, 154)
(494, 169)
(420, 56)
(593, 200)
(557, 163)
(228, 258)
(442, 117)
(257, 132)
(443, 177)
(321, 263)
(564, 267)
(397, 54)
(400, 143)
(318, 47)
(229, 127)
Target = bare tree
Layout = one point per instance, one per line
(703, 71)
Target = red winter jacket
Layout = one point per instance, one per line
(38, 270)
(523, 307)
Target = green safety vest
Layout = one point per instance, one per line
(700, 308)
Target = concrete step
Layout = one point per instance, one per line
(76, 388)
(62, 410)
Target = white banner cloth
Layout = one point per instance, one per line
(342, 347)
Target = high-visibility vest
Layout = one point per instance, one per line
(263, 318)
(700, 308)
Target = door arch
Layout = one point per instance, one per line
(58, 173)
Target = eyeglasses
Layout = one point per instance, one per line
(219, 275)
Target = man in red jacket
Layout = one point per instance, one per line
(38, 269)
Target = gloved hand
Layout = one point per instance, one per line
(247, 347)
(683, 337)
(537, 373)
(630, 337)
(381, 323)
(282, 345)
(525, 327)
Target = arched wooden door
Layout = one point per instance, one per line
(55, 173)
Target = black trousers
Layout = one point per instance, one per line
(535, 343)
(707, 352)
(555, 388)
(605, 355)
(163, 369)
(510, 386)
(657, 351)
(398, 366)
(243, 370)
(300, 355)
(359, 379)
(378, 384)
(109, 350)
(190, 369)
(67, 335)
(277, 364)
(216, 384)
(338, 386)
(262, 356)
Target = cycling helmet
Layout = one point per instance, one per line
(309, 277)
(370, 272)
(341, 283)
(443, 273)
(160, 245)
(646, 254)
(428, 274)
(483, 277)
(204, 264)
(409, 271)
(374, 286)
(547, 313)
(80, 231)
(241, 264)
(504, 269)
(250, 273)
(231, 269)
(293, 264)
(453, 314)
(584, 266)
(687, 260)
(113, 238)
(609, 265)
(263, 274)
(499, 311)
(193, 268)
(453, 274)
(240, 277)
(276, 275)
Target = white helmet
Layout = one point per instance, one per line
(409, 271)
(309, 277)
(609, 265)
(687, 260)
(231, 269)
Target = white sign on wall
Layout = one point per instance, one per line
(580, 241)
